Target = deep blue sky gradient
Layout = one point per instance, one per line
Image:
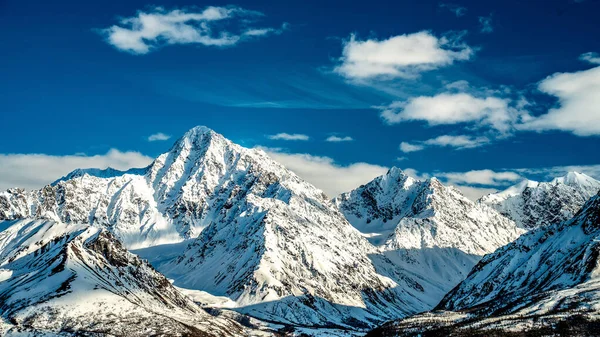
(64, 90)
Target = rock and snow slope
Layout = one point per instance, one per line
(266, 239)
(547, 275)
(275, 244)
(263, 241)
(531, 204)
(552, 268)
(124, 204)
(426, 228)
(78, 279)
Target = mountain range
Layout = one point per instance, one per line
(216, 239)
(430, 230)
(546, 282)
(533, 204)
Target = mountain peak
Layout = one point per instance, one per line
(198, 137)
(573, 178)
(561, 198)
(199, 129)
(394, 178)
(395, 171)
(509, 192)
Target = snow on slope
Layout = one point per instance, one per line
(548, 269)
(531, 204)
(426, 228)
(124, 204)
(100, 173)
(77, 279)
(548, 275)
(267, 240)
(274, 243)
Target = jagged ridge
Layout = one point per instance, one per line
(426, 228)
(532, 204)
(70, 278)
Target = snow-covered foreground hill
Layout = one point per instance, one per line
(430, 230)
(548, 275)
(78, 279)
(532, 204)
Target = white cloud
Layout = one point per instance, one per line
(288, 136)
(454, 8)
(485, 23)
(339, 139)
(447, 108)
(470, 183)
(480, 177)
(32, 171)
(408, 147)
(149, 30)
(416, 174)
(460, 142)
(474, 193)
(401, 158)
(460, 86)
(557, 171)
(403, 56)
(266, 31)
(590, 57)
(158, 137)
(325, 174)
(579, 104)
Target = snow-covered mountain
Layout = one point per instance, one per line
(548, 275)
(78, 279)
(426, 228)
(532, 204)
(271, 243)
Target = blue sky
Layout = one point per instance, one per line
(491, 90)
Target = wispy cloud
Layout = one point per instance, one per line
(454, 8)
(337, 139)
(402, 56)
(158, 137)
(476, 183)
(32, 171)
(325, 173)
(549, 173)
(473, 184)
(265, 87)
(157, 27)
(480, 177)
(590, 57)
(288, 136)
(474, 193)
(457, 142)
(408, 147)
(485, 24)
